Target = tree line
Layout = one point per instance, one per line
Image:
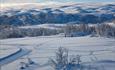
(69, 30)
(103, 29)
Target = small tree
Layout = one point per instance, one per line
(61, 59)
(63, 62)
(30, 61)
(23, 65)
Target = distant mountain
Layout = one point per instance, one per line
(32, 14)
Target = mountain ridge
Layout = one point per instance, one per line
(32, 14)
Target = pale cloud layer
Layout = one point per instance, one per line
(36, 1)
(18, 1)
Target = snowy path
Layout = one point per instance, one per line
(7, 51)
(14, 57)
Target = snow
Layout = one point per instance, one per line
(47, 25)
(44, 47)
(111, 24)
(6, 51)
(14, 56)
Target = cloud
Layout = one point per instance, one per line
(18, 1)
(36, 1)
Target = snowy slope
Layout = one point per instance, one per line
(44, 47)
(47, 26)
(111, 24)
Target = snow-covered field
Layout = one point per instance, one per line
(44, 47)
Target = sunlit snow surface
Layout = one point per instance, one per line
(44, 47)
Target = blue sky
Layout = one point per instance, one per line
(35, 1)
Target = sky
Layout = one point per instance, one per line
(36, 1)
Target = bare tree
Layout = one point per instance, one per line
(63, 62)
(61, 59)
